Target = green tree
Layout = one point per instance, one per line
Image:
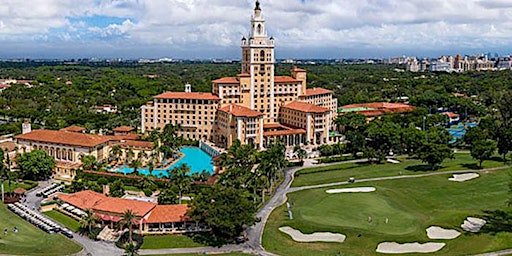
(88, 222)
(168, 196)
(352, 122)
(89, 162)
(438, 135)
(274, 161)
(127, 221)
(131, 250)
(36, 165)
(226, 210)
(504, 142)
(412, 139)
(115, 153)
(483, 150)
(135, 164)
(181, 179)
(434, 154)
(300, 152)
(116, 189)
(356, 142)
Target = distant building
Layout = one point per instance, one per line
(105, 109)
(376, 109)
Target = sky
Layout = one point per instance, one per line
(202, 29)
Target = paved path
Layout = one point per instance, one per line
(90, 247)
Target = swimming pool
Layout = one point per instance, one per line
(195, 158)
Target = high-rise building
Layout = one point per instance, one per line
(254, 107)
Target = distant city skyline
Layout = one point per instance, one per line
(203, 29)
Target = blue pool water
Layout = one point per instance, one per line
(458, 131)
(195, 158)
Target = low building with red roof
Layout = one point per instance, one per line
(74, 128)
(376, 109)
(151, 218)
(123, 130)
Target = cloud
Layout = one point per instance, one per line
(210, 27)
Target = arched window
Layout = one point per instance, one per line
(259, 29)
(262, 55)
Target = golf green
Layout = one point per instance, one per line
(410, 205)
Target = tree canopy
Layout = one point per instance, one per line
(36, 165)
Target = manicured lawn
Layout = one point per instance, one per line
(14, 185)
(169, 241)
(411, 205)
(64, 219)
(30, 240)
(341, 172)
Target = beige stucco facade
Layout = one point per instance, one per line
(256, 89)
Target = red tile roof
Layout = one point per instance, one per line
(73, 128)
(450, 114)
(88, 199)
(168, 214)
(284, 132)
(285, 79)
(123, 129)
(64, 138)
(244, 75)
(226, 80)
(297, 69)
(317, 91)
(8, 146)
(188, 96)
(305, 107)
(238, 110)
(380, 105)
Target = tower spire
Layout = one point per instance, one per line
(257, 8)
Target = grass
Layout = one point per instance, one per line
(132, 188)
(341, 172)
(169, 241)
(63, 219)
(14, 185)
(31, 240)
(411, 205)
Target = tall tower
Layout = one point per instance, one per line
(258, 61)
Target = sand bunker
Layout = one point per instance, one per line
(315, 237)
(464, 177)
(351, 190)
(409, 247)
(441, 233)
(472, 224)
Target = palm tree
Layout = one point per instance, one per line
(89, 162)
(275, 162)
(180, 178)
(300, 152)
(115, 152)
(128, 219)
(135, 164)
(130, 249)
(129, 155)
(88, 221)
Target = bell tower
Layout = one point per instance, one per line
(258, 61)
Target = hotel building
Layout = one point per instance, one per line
(256, 106)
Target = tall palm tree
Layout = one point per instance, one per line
(128, 219)
(275, 162)
(88, 221)
(300, 152)
(179, 177)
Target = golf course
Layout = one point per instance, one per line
(397, 211)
